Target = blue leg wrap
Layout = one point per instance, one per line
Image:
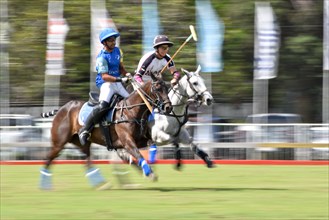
(45, 179)
(94, 176)
(146, 168)
(152, 153)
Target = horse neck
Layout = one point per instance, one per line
(178, 96)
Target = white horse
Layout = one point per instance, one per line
(169, 128)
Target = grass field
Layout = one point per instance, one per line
(226, 192)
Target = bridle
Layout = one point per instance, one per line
(157, 100)
(196, 97)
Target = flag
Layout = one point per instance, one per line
(210, 31)
(267, 42)
(57, 31)
(100, 20)
(150, 23)
(326, 35)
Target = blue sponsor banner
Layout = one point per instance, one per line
(210, 31)
(150, 23)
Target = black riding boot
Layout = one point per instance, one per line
(94, 118)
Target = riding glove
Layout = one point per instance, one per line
(124, 79)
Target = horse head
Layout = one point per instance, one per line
(159, 91)
(196, 88)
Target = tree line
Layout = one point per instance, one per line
(296, 89)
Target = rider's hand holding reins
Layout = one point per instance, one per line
(126, 78)
(129, 77)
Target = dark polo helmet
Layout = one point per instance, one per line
(161, 40)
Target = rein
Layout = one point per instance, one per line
(157, 103)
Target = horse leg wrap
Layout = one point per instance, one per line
(146, 168)
(178, 156)
(95, 177)
(121, 173)
(45, 179)
(203, 155)
(152, 153)
(178, 153)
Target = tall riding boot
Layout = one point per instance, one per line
(84, 133)
(94, 118)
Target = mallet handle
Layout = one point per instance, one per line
(142, 96)
(176, 53)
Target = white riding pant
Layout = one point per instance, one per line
(108, 89)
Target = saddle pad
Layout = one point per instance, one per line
(87, 109)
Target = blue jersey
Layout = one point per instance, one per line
(108, 62)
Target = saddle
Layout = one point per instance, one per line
(94, 100)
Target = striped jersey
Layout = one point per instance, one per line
(150, 64)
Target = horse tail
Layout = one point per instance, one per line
(49, 114)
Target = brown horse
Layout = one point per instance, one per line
(128, 129)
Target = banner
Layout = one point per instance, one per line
(210, 31)
(4, 62)
(326, 35)
(150, 23)
(100, 20)
(57, 31)
(267, 42)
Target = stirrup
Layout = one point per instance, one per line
(84, 137)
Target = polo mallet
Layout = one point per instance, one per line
(192, 35)
(142, 95)
(136, 88)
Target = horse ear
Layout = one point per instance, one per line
(198, 69)
(186, 72)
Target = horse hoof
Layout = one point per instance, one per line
(130, 186)
(178, 166)
(210, 164)
(153, 177)
(105, 186)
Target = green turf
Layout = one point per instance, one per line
(226, 192)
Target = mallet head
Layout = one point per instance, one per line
(193, 33)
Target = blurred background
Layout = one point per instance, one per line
(227, 31)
